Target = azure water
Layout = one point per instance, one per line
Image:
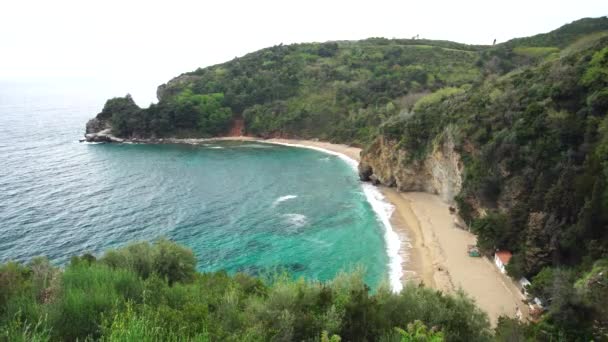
(248, 207)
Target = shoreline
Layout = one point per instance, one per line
(395, 241)
(423, 242)
(383, 208)
(430, 246)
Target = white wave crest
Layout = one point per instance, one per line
(216, 147)
(255, 146)
(295, 220)
(283, 199)
(383, 211)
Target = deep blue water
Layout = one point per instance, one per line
(240, 206)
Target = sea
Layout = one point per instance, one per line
(240, 206)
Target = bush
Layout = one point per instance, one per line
(89, 292)
(164, 258)
(109, 300)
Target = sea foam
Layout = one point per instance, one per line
(383, 211)
(295, 220)
(283, 199)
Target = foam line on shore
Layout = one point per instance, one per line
(383, 210)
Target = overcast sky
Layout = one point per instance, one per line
(134, 46)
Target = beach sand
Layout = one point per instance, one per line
(443, 246)
(434, 249)
(349, 151)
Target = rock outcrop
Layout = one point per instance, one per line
(99, 129)
(103, 136)
(439, 173)
(96, 125)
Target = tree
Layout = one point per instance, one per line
(418, 332)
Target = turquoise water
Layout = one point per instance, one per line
(248, 207)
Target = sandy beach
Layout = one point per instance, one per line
(441, 259)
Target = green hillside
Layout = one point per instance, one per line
(534, 143)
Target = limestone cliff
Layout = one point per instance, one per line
(439, 173)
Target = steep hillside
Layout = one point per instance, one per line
(531, 149)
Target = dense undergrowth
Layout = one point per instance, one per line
(151, 292)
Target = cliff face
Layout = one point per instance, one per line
(439, 173)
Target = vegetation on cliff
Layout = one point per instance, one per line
(534, 146)
(151, 292)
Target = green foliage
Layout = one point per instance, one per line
(128, 325)
(536, 51)
(19, 331)
(542, 283)
(89, 292)
(565, 35)
(123, 114)
(418, 332)
(436, 97)
(202, 111)
(164, 258)
(512, 330)
(592, 287)
(129, 295)
(597, 71)
(13, 283)
(492, 232)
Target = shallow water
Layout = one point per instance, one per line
(248, 207)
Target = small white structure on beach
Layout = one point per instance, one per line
(501, 259)
(523, 287)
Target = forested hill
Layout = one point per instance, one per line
(525, 121)
(339, 91)
(529, 142)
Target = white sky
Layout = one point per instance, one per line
(137, 45)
